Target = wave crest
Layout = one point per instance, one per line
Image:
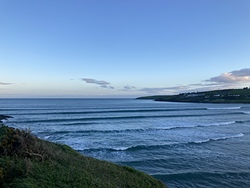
(224, 108)
(217, 139)
(163, 146)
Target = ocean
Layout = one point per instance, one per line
(182, 144)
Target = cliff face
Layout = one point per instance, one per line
(26, 161)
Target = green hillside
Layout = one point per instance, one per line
(216, 96)
(28, 162)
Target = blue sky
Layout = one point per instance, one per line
(125, 48)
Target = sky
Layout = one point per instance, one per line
(122, 48)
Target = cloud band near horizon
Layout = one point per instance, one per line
(101, 83)
(223, 81)
(4, 83)
(232, 77)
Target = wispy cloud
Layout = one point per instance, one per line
(224, 81)
(4, 83)
(233, 77)
(101, 83)
(158, 90)
(127, 87)
(153, 90)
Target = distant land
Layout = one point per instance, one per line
(215, 96)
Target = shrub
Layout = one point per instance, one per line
(21, 143)
(26, 161)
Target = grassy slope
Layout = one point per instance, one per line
(217, 96)
(26, 161)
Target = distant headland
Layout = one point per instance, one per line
(215, 96)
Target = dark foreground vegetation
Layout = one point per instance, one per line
(216, 96)
(29, 162)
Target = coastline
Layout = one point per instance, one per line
(226, 96)
(39, 163)
(185, 132)
(4, 117)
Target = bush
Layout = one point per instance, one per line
(26, 161)
(20, 143)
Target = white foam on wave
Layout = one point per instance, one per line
(246, 112)
(3, 120)
(224, 123)
(120, 148)
(47, 137)
(140, 147)
(194, 126)
(225, 108)
(103, 148)
(219, 138)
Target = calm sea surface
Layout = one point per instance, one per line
(182, 144)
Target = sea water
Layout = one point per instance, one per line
(182, 144)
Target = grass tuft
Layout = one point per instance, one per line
(29, 162)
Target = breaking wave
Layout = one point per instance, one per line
(225, 108)
(135, 130)
(217, 139)
(163, 146)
